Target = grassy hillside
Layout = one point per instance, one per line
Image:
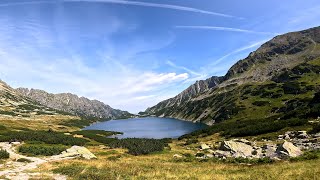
(291, 99)
(276, 78)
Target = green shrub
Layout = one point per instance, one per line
(98, 135)
(315, 128)
(137, 146)
(114, 158)
(191, 141)
(24, 160)
(41, 149)
(48, 137)
(261, 103)
(307, 156)
(4, 154)
(199, 154)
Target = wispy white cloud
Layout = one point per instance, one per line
(172, 64)
(158, 5)
(7, 4)
(219, 66)
(127, 2)
(310, 15)
(217, 28)
(241, 49)
(34, 56)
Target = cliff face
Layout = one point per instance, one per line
(186, 95)
(73, 104)
(16, 109)
(203, 100)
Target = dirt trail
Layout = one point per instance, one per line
(18, 170)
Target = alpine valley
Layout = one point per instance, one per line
(262, 116)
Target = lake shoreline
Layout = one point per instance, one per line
(148, 127)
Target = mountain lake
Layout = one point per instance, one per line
(148, 127)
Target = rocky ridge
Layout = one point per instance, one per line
(73, 104)
(186, 95)
(274, 57)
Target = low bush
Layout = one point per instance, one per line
(261, 103)
(41, 149)
(138, 146)
(24, 160)
(315, 129)
(247, 127)
(4, 154)
(307, 156)
(98, 135)
(191, 141)
(114, 158)
(48, 137)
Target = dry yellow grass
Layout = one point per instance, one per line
(39, 122)
(164, 166)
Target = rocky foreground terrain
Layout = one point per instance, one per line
(291, 144)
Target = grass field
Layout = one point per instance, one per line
(116, 164)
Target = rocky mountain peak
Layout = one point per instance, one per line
(73, 104)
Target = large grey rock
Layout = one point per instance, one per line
(221, 154)
(78, 151)
(288, 149)
(239, 149)
(204, 146)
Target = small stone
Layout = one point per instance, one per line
(204, 146)
(177, 156)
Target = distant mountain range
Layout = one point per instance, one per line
(27, 104)
(79, 106)
(284, 63)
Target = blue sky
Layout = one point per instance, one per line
(133, 54)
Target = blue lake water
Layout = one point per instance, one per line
(149, 127)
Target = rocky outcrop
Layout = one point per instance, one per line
(191, 92)
(73, 104)
(302, 140)
(237, 149)
(288, 149)
(242, 148)
(78, 151)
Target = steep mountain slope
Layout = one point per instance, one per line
(18, 111)
(270, 78)
(73, 104)
(191, 92)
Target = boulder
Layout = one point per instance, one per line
(177, 156)
(78, 136)
(15, 143)
(222, 154)
(288, 149)
(243, 141)
(209, 156)
(78, 151)
(302, 134)
(204, 146)
(269, 151)
(238, 148)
